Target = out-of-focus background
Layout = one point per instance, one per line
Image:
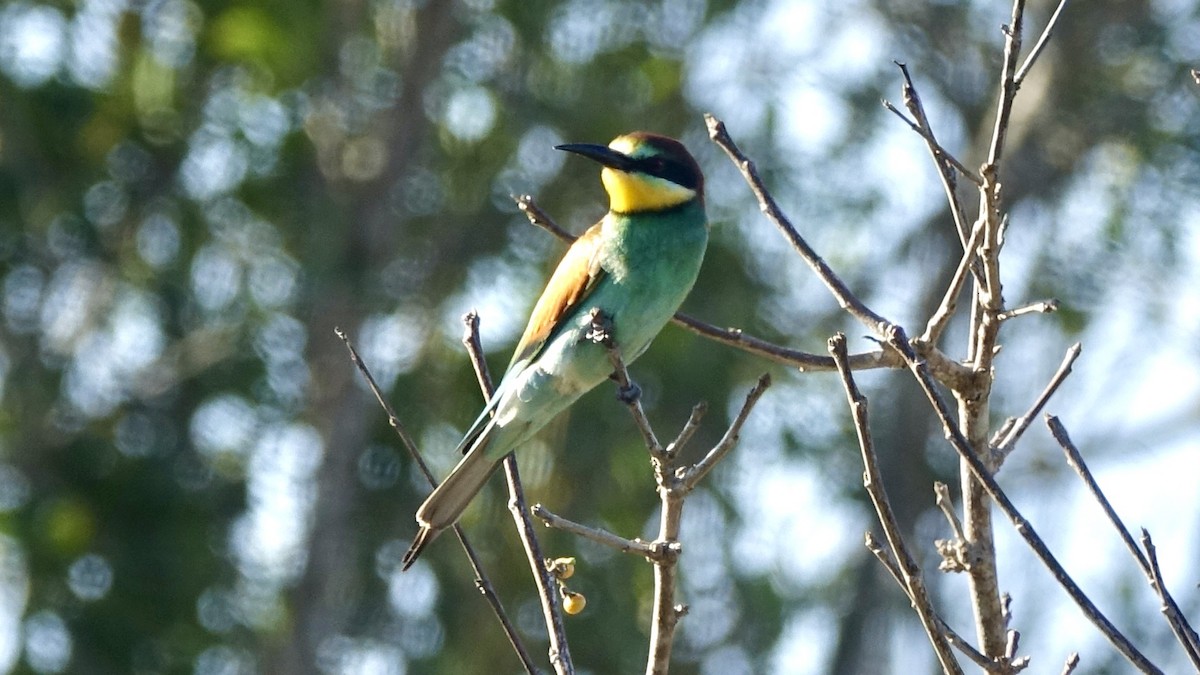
(194, 193)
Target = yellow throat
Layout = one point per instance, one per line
(635, 192)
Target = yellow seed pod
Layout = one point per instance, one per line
(561, 568)
(573, 603)
(566, 567)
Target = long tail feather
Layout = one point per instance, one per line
(447, 502)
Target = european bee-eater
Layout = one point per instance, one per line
(635, 267)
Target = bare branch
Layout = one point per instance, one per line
(651, 552)
(699, 470)
(1039, 45)
(804, 361)
(1175, 616)
(939, 153)
(1023, 527)
(538, 217)
(1009, 440)
(872, 481)
(688, 430)
(1075, 461)
(957, 641)
(1071, 664)
(847, 300)
(628, 392)
(673, 487)
(482, 582)
(1178, 622)
(1041, 307)
(560, 653)
(974, 402)
(1008, 86)
(940, 318)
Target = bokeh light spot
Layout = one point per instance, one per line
(470, 113)
(379, 467)
(32, 41)
(158, 240)
(90, 577)
(48, 644)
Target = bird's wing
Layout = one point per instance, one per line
(573, 281)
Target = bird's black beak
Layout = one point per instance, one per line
(601, 153)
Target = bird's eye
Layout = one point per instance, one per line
(656, 164)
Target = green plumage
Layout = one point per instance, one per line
(636, 267)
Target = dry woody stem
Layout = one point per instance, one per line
(909, 572)
(481, 579)
(1148, 562)
(674, 483)
(981, 474)
(559, 652)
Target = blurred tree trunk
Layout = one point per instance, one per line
(324, 601)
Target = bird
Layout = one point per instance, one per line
(633, 268)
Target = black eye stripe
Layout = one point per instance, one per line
(676, 172)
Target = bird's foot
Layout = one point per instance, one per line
(630, 394)
(601, 331)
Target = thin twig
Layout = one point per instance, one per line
(1040, 307)
(912, 101)
(1175, 616)
(885, 558)
(688, 430)
(1147, 562)
(961, 644)
(1008, 87)
(940, 153)
(627, 391)
(559, 651)
(636, 546)
(981, 474)
(1039, 45)
(1071, 664)
(847, 300)
(539, 217)
(946, 506)
(940, 318)
(803, 361)
(956, 553)
(482, 582)
(957, 641)
(910, 572)
(1009, 440)
(1010, 652)
(1075, 461)
(699, 470)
